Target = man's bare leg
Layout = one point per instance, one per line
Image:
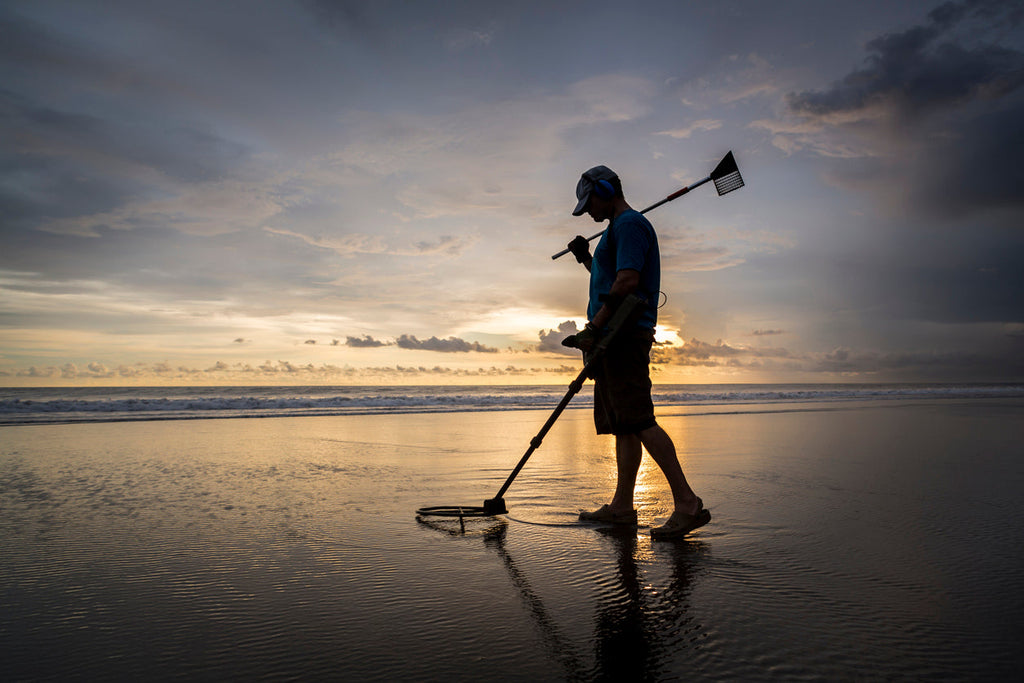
(659, 444)
(628, 452)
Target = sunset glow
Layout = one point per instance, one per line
(296, 193)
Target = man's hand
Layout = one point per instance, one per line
(580, 248)
(583, 340)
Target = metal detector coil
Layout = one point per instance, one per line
(624, 316)
(494, 506)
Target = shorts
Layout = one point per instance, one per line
(622, 385)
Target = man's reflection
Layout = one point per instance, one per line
(638, 629)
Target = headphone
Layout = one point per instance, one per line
(604, 189)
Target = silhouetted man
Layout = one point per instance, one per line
(627, 261)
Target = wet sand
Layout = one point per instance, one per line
(867, 540)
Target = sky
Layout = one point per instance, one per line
(340, 192)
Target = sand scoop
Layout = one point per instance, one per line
(726, 177)
(624, 315)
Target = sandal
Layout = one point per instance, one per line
(680, 523)
(605, 514)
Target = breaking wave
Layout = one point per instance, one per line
(55, 406)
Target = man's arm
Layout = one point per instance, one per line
(626, 282)
(580, 248)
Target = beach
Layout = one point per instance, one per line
(859, 539)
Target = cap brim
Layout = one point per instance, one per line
(582, 205)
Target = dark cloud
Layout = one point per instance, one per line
(924, 68)
(1002, 363)
(449, 345)
(936, 109)
(766, 333)
(36, 185)
(366, 341)
(697, 353)
(551, 340)
(978, 169)
(173, 148)
(940, 105)
(37, 48)
(166, 264)
(86, 131)
(961, 275)
(991, 291)
(924, 364)
(64, 164)
(350, 16)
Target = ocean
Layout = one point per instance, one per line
(117, 404)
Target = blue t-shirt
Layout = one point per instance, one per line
(629, 242)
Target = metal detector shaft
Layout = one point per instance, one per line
(623, 315)
(535, 443)
(674, 195)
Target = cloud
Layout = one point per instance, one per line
(364, 342)
(94, 370)
(354, 244)
(687, 250)
(551, 340)
(937, 102)
(448, 245)
(460, 40)
(792, 136)
(922, 364)
(449, 345)
(922, 131)
(703, 124)
(280, 371)
(997, 364)
(70, 172)
(697, 353)
(733, 80)
(923, 69)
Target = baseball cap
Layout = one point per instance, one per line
(586, 185)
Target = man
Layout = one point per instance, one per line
(627, 261)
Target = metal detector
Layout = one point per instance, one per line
(726, 176)
(624, 316)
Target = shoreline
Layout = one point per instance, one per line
(713, 409)
(162, 404)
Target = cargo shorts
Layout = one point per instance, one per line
(622, 385)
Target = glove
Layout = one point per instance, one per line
(583, 340)
(580, 248)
